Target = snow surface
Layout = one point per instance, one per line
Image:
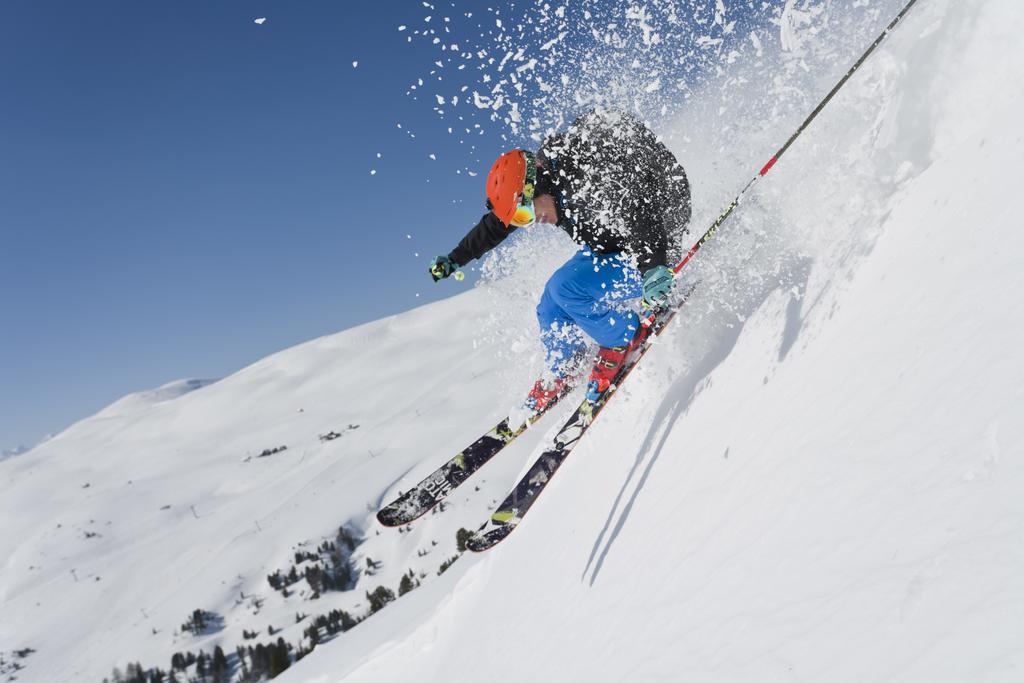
(817, 475)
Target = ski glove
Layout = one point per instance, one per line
(441, 267)
(657, 285)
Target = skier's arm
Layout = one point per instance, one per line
(488, 233)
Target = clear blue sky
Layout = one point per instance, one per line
(183, 191)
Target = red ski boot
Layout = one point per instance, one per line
(544, 394)
(608, 362)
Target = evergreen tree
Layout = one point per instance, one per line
(241, 652)
(379, 597)
(279, 659)
(134, 673)
(220, 667)
(461, 536)
(447, 563)
(314, 577)
(406, 585)
(347, 539)
(347, 622)
(260, 660)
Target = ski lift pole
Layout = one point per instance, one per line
(782, 150)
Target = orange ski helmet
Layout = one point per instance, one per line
(510, 183)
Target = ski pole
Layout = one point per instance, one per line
(782, 150)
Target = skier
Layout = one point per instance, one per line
(622, 195)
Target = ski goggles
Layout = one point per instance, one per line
(524, 214)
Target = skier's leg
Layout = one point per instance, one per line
(590, 289)
(561, 337)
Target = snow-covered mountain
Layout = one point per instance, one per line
(816, 475)
(11, 452)
(142, 400)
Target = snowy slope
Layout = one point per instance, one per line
(128, 521)
(816, 476)
(827, 487)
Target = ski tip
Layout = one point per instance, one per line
(478, 544)
(393, 517)
(485, 540)
(386, 518)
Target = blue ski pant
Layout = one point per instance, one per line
(587, 295)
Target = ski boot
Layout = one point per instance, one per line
(609, 361)
(545, 393)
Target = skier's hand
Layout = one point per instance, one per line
(442, 266)
(657, 286)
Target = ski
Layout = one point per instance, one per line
(421, 498)
(511, 511)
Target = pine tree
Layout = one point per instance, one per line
(279, 659)
(314, 577)
(447, 563)
(347, 622)
(241, 652)
(406, 584)
(220, 667)
(134, 673)
(347, 539)
(461, 536)
(379, 597)
(258, 660)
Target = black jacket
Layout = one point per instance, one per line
(617, 188)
